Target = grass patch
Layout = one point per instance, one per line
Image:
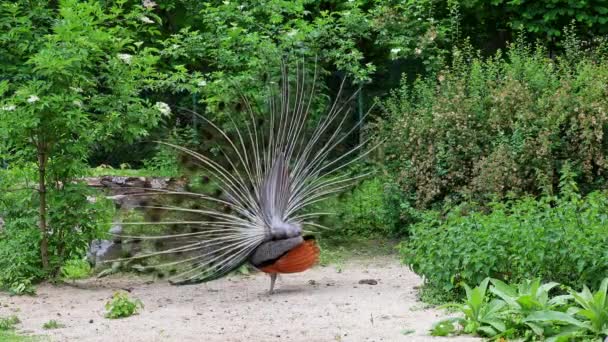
(101, 171)
(8, 323)
(336, 251)
(10, 336)
(434, 296)
(7, 333)
(52, 324)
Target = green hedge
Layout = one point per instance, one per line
(557, 239)
(491, 126)
(369, 210)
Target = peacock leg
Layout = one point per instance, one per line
(273, 279)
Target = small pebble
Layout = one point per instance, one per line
(368, 281)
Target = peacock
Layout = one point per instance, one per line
(272, 172)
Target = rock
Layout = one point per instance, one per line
(115, 231)
(368, 281)
(102, 250)
(158, 183)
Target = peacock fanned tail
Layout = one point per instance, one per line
(268, 176)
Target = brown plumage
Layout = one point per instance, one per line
(299, 259)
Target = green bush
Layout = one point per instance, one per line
(75, 221)
(8, 323)
(499, 125)
(122, 306)
(365, 211)
(20, 259)
(557, 239)
(75, 269)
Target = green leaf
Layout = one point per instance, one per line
(443, 328)
(553, 316)
(487, 331)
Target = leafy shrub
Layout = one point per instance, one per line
(122, 306)
(8, 323)
(74, 219)
(75, 269)
(365, 211)
(499, 125)
(166, 161)
(77, 219)
(529, 311)
(20, 238)
(20, 259)
(481, 316)
(558, 239)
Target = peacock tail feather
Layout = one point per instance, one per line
(269, 173)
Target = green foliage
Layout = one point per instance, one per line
(74, 77)
(76, 269)
(73, 216)
(486, 127)
(528, 296)
(420, 31)
(548, 18)
(10, 336)
(122, 306)
(20, 259)
(8, 323)
(360, 212)
(481, 317)
(52, 324)
(364, 211)
(592, 308)
(557, 239)
(106, 170)
(20, 237)
(68, 102)
(166, 161)
(528, 311)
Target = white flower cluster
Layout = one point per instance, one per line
(125, 57)
(146, 20)
(163, 108)
(8, 108)
(32, 99)
(149, 4)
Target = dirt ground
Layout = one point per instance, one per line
(323, 304)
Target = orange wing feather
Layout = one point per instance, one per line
(299, 259)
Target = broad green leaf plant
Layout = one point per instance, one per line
(528, 311)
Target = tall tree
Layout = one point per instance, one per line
(71, 77)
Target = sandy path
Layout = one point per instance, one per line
(319, 305)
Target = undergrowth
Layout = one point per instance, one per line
(529, 311)
(557, 238)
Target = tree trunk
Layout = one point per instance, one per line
(42, 224)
